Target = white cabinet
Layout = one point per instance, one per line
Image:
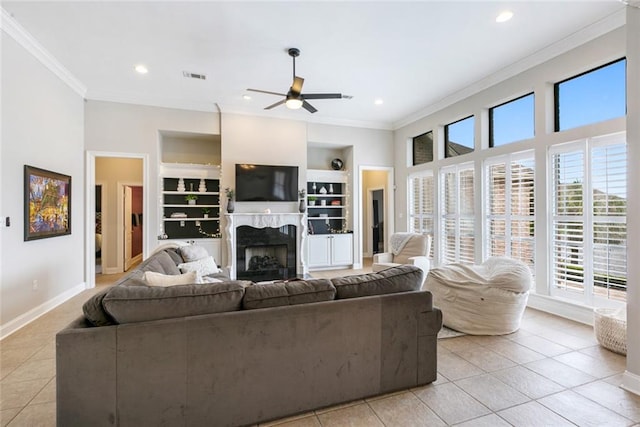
(329, 250)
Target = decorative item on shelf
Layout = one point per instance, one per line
(205, 212)
(231, 203)
(181, 187)
(191, 199)
(312, 200)
(302, 206)
(323, 202)
(335, 203)
(178, 215)
(191, 186)
(330, 188)
(336, 164)
(323, 190)
(203, 186)
(314, 188)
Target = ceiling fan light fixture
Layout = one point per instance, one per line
(293, 103)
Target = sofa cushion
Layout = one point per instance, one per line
(159, 262)
(153, 278)
(288, 293)
(129, 304)
(202, 266)
(94, 312)
(175, 256)
(402, 278)
(193, 253)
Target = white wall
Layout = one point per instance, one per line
(632, 377)
(265, 141)
(370, 147)
(134, 129)
(42, 126)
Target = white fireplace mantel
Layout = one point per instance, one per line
(266, 220)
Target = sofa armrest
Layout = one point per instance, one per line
(382, 257)
(421, 262)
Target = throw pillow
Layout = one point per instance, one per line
(153, 278)
(193, 253)
(202, 266)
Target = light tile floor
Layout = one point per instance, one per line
(550, 373)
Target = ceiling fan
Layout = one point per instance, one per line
(294, 98)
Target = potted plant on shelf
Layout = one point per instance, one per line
(205, 212)
(230, 193)
(191, 199)
(312, 200)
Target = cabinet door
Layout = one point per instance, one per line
(319, 251)
(342, 249)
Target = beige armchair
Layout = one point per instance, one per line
(406, 248)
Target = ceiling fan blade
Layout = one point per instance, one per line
(275, 105)
(322, 95)
(266, 91)
(308, 107)
(296, 87)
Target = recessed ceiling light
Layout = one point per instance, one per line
(141, 69)
(247, 97)
(504, 16)
(378, 101)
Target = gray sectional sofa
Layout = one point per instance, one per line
(235, 353)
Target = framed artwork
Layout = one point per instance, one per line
(47, 203)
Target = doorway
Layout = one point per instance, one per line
(107, 176)
(376, 209)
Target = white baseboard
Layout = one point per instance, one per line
(562, 308)
(31, 315)
(631, 382)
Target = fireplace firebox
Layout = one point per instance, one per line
(265, 253)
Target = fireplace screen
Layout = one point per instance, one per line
(265, 253)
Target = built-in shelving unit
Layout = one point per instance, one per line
(327, 201)
(190, 168)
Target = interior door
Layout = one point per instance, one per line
(128, 228)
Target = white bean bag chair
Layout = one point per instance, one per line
(485, 299)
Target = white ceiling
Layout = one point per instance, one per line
(411, 54)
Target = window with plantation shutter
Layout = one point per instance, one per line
(510, 224)
(421, 203)
(589, 219)
(457, 236)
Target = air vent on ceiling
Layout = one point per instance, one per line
(190, 75)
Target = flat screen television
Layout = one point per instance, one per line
(263, 183)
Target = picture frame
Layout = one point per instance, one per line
(47, 203)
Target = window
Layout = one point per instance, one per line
(512, 121)
(589, 210)
(591, 97)
(423, 148)
(421, 203)
(510, 185)
(459, 137)
(457, 214)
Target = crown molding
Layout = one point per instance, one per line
(17, 32)
(593, 31)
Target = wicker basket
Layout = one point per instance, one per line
(610, 326)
